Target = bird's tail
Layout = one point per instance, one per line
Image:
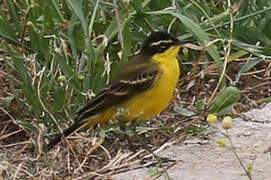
(58, 138)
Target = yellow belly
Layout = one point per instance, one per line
(153, 101)
(148, 103)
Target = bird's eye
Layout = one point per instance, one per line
(163, 46)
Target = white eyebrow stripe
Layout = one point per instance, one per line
(162, 41)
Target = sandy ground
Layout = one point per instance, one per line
(204, 160)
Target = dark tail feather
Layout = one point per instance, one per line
(58, 138)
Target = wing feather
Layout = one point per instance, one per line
(129, 83)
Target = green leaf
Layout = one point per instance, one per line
(14, 15)
(28, 126)
(59, 97)
(184, 112)
(253, 49)
(69, 72)
(226, 100)
(39, 43)
(266, 100)
(90, 27)
(250, 64)
(77, 8)
(6, 31)
(57, 9)
(27, 88)
(200, 105)
(12, 81)
(78, 37)
(237, 55)
(101, 133)
(137, 5)
(217, 19)
(7, 100)
(127, 44)
(247, 66)
(194, 129)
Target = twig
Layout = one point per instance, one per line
(16, 144)
(118, 22)
(165, 169)
(195, 65)
(9, 134)
(17, 170)
(228, 47)
(10, 116)
(238, 158)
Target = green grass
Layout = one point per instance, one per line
(54, 51)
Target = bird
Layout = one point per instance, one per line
(144, 87)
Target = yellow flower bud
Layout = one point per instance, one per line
(211, 118)
(61, 83)
(249, 167)
(227, 122)
(185, 53)
(62, 78)
(81, 76)
(29, 23)
(221, 143)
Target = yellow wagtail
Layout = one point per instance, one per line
(144, 87)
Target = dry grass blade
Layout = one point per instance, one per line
(165, 169)
(9, 134)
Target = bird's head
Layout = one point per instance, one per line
(160, 42)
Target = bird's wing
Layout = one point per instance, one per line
(134, 79)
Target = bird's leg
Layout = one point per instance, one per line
(137, 138)
(130, 131)
(133, 129)
(120, 116)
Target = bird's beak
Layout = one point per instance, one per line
(181, 42)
